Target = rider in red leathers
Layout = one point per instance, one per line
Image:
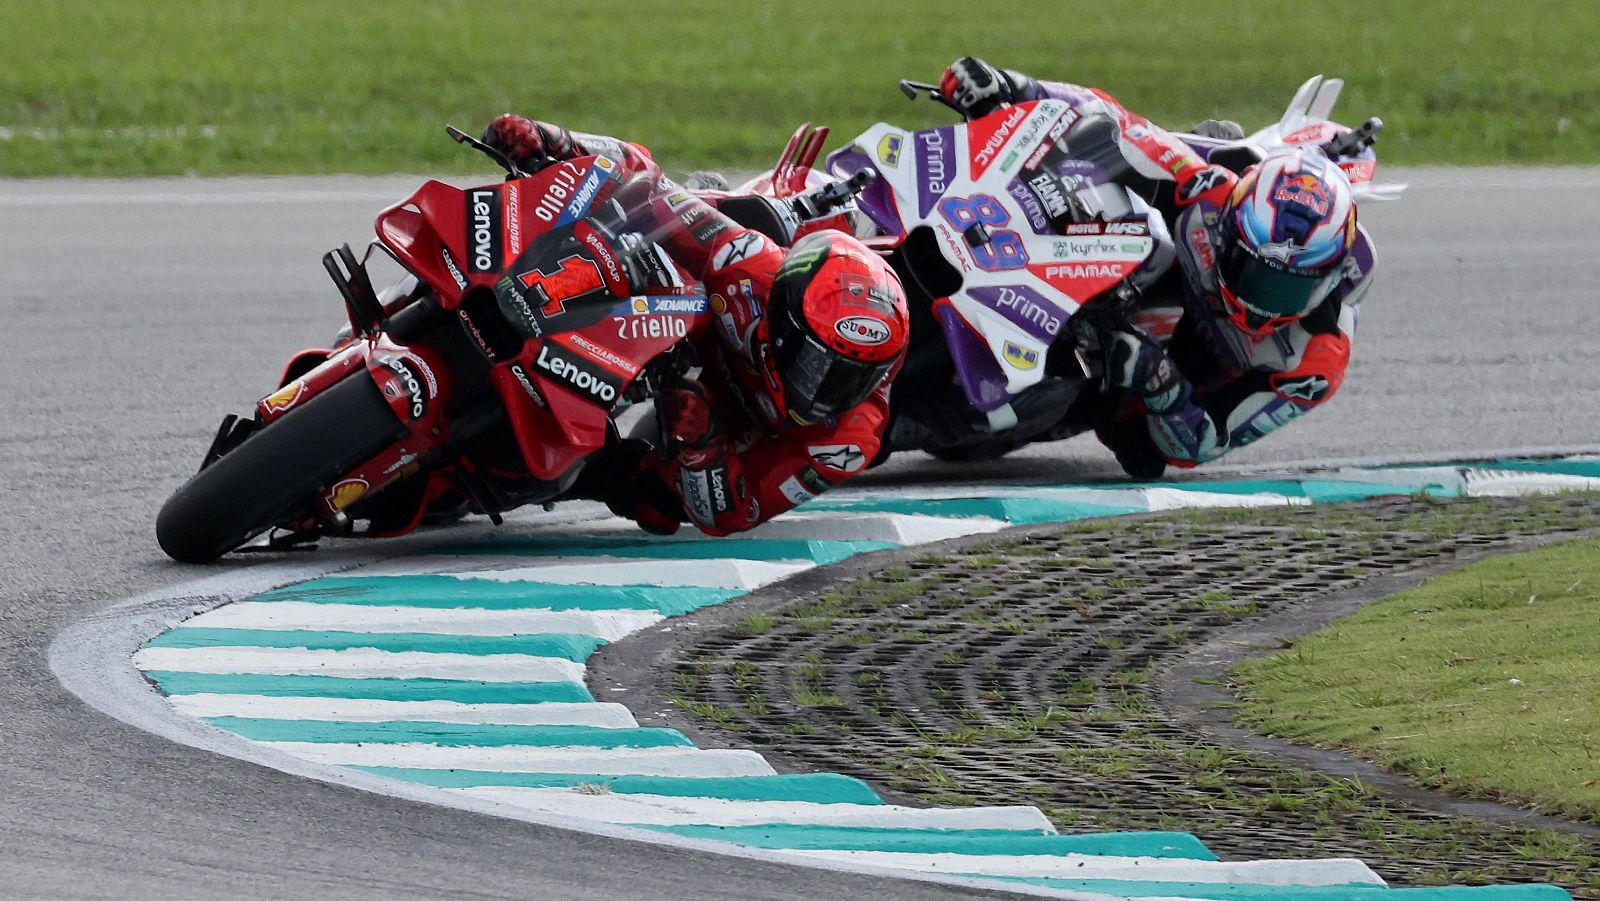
(1272, 267)
(792, 396)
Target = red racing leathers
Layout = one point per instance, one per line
(729, 461)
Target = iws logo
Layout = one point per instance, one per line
(1020, 357)
(863, 330)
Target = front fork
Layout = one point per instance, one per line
(415, 384)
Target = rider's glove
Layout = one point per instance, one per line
(531, 145)
(1136, 363)
(976, 88)
(689, 424)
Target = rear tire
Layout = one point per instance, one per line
(276, 470)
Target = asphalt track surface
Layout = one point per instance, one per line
(136, 313)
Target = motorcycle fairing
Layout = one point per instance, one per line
(967, 183)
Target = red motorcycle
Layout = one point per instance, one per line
(483, 380)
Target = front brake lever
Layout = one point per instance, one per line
(461, 137)
(912, 89)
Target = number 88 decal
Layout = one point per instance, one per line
(1004, 250)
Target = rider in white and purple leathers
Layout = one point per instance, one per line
(1271, 268)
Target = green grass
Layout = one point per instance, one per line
(141, 87)
(1482, 682)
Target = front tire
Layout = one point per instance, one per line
(276, 471)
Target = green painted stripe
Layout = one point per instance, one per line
(486, 594)
(1179, 845)
(1238, 892)
(819, 788)
(567, 647)
(464, 691)
(1019, 510)
(766, 549)
(450, 735)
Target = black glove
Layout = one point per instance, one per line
(976, 88)
(531, 145)
(1136, 363)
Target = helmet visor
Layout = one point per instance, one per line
(1262, 295)
(817, 381)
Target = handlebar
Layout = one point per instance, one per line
(914, 89)
(461, 137)
(830, 197)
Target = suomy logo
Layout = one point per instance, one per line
(862, 330)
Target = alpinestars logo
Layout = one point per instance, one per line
(843, 457)
(1310, 389)
(737, 250)
(483, 230)
(1205, 180)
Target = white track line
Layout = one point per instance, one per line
(713, 573)
(662, 810)
(675, 761)
(361, 663)
(1328, 871)
(303, 615)
(359, 710)
(896, 528)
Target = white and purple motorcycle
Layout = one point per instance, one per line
(997, 259)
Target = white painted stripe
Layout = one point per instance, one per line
(1511, 483)
(1331, 871)
(892, 527)
(713, 573)
(523, 759)
(1158, 499)
(359, 710)
(361, 663)
(302, 615)
(663, 810)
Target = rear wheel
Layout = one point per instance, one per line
(277, 471)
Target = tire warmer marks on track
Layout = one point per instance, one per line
(463, 669)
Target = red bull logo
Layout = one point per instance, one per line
(1305, 190)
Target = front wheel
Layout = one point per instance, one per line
(277, 471)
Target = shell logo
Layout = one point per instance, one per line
(285, 397)
(347, 492)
